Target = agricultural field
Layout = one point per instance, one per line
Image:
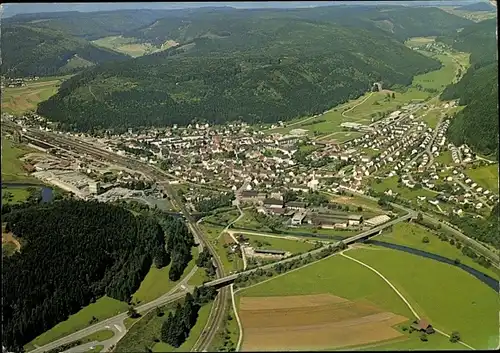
(450, 298)
(441, 78)
(19, 100)
(313, 322)
(486, 176)
(411, 235)
(333, 283)
(102, 309)
(156, 283)
(131, 46)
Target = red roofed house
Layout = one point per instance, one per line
(422, 326)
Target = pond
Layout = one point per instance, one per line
(47, 192)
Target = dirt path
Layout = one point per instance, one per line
(351, 108)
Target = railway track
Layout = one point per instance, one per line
(221, 301)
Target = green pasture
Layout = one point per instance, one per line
(486, 176)
(272, 243)
(450, 298)
(411, 235)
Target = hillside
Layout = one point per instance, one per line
(74, 252)
(31, 51)
(477, 124)
(478, 6)
(91, 25)
(400, 22)
(251, 69)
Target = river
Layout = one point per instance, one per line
(47, 192)
(489, 281)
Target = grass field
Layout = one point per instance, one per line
(411, 234)
(407, 193)
(335, 275)
(340, 277)
(156, 283)
(274, 243)
(12, 167)
(419, 41)
(230, 261)
(143, 333)
(227, 338)
(130, 46)
(486, 176)
(103, 308)
(451, 299)
(18, 100)
(16, 195)
(441, 78)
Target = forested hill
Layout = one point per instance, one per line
(73, 253)
(398, 21)
(477, 124)
(32, 51)
(251, 69)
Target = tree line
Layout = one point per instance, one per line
(175, 329)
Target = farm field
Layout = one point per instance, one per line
(486, 176)
(102, 309)
(309, 322)
(439, 79)
(128, 46)
(411, 234)
(19, 100)
(462, 303)
(156, 283)
(276, 243)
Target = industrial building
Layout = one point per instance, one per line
(377, 220)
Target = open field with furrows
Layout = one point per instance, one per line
(405, 192)
(19, 100)
(102, 309)
(313, 322)
(131, 46)
(450, 298)
(12, 166)
(275, 243)
(411, 234)
(345, 278)
(156, 283)
(486, 176)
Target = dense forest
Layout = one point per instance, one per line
(75, 252)
(30, 51)
(260, 70)
(477, 124)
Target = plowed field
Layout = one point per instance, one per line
(313, 322)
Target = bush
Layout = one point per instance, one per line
(404, 328)
(425, 240)
(455, 336)
(423, 337)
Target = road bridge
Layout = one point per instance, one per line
(224, 281)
